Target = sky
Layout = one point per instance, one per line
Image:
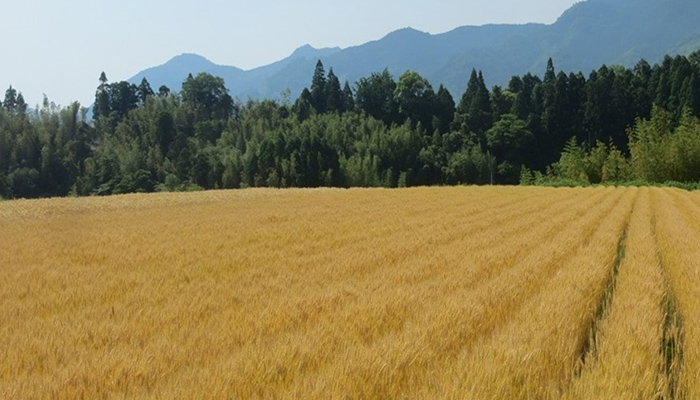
(59, 48)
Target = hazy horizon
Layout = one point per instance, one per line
(60, 49)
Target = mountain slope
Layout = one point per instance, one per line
(263, 82)
(174, 72)
(587, 35)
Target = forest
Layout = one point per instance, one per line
(615, 125)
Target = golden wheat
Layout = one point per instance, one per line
(344, 294)
(625, 361)
(679, 234)
(534, 352)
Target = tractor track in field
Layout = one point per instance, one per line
(672, 342)
(590, 344)
(671, 345)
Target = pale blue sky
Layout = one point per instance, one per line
(60, 47)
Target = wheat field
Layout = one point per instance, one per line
(424, 293)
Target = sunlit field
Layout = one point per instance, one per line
(426, 293)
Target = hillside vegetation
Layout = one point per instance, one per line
(615, 125)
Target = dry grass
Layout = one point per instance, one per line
(344, 294)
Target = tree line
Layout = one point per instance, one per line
(615, 124)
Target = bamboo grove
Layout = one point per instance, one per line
(616, 124)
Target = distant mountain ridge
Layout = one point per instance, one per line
(587, 35)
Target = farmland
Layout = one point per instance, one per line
(425, 293)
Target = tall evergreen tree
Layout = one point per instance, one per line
(10, 102)
(318, 88)
(577, 94)
(144, 91)
(501, 102)
(444, 109)
(550, 74)
(598, 107)
(21, 104)
(334, 95)
(474, 114)
(694, 59)
(643, 96)
(555, 108)
(303, 106)
(348, 98)
(521, 98)
(102, 98)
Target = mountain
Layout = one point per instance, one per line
(264, 82)
(174, 72)
(589, 34)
